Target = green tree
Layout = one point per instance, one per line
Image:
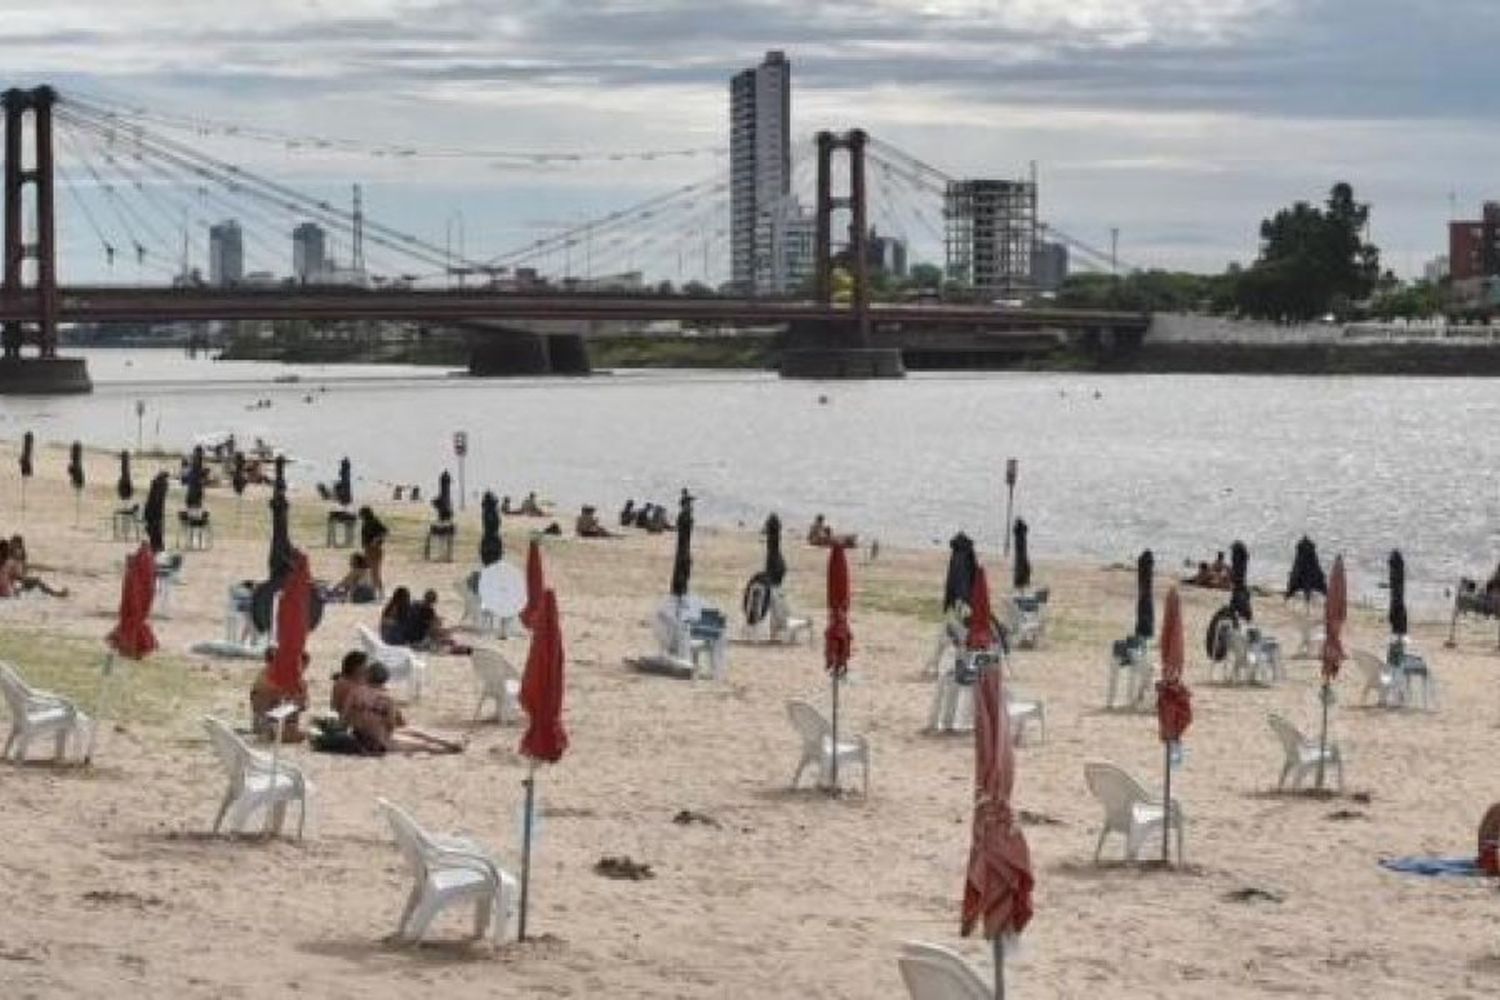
(925, 276)
(1312, 261)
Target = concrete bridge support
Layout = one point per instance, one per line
(506, 351)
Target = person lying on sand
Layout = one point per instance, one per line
(588, 525)
(1204, 577)
(378, 725)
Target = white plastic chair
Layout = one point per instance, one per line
(1019, 711)
(952, 703)
(449, 870)
(403, 664)
(1380, 678)
(818, 748)
(950, 640)
(1302, 755)
(35, 713)
(1130, 811)
(934, 973)
(673, 625)
(253, 782)
(1028, 624)
(498, 681)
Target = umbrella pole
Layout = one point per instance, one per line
(997, 944)
(1323, 733)
(1166, 818)
(100, 705)
(77, 506)
(834, 751)
(530, 785)
(1010, 497)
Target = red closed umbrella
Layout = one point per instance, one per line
(132, 636)
(981, 630)
(536, 583)
(293, 622)
(1174, 702)
(545, 738)
(838, 642)
(998, 885)
(1335, 611)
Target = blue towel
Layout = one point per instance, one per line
(1452, 867)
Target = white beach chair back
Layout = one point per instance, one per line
(810, 724)
(411, 840)
(1291, 737)
(933, 973)
(232, 751)
(17, 694)
(1116, 790)
(1373, 667)
(492, 669)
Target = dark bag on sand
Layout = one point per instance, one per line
(334, 736)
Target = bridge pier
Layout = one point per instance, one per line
(521, 352)
(833, 350)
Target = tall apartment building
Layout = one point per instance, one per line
(1474, 245)
(226, 254)
(760, 174)
(309, 252)
(991, 235)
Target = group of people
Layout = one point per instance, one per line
(1215, 576)
(530, 507)
(365, 718)
(650, 517)
(405, 622)
(15, 572)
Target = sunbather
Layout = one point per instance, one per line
(425, 629)
(627, 514)
(819, 533)
(378, 725)
(358, 585)
(15, 569)
(395, 616)
(350, 676)
(372, 534)
(530, 507)
(588, 525)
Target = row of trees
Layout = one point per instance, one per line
(1314, 261)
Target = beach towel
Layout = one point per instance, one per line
(1435, 867)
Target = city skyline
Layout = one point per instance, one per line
(1182, 123)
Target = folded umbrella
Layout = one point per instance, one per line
(1021, 574)
(1145, 608)
(682, 559)
(124, 487)
(196, 477)
(536, 585)
(1239, 571)
(491, 548)
(959, 582)
(155, 511)
(1397, 616)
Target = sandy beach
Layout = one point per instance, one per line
(110, 884)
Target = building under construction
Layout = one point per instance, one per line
(991, 236)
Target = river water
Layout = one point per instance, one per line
(1108, 464)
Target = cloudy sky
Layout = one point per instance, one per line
(1181, 122)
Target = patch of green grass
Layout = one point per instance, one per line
(161, 689)
(895, 601)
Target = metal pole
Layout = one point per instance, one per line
(1323, 733)
(462, 492)
(997, 944)
(99, 709)
(530, 785)
(1166, 822)
(834, 790)
(1010, 500)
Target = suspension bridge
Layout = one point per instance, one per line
(133, 177)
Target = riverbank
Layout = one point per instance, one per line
(114, 888)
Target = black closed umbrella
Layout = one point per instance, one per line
(343, 490)
(961, 566)
(125, 488)
(280, 481)
(682, 561)
(1307, 577)
(491, 547)
(26, 467)
(775, 565)
(1021, 573)
(155, 512)
(1397, 615)
(239, 478)
(196, 476)
(281, 555)
(75, 465)
(1239, 571)
(443, 502)
(1145, 608)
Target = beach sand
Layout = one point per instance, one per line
(110, 885)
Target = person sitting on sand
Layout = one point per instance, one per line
(372, 535)
(588, 525)
(425, 629)
(1204, 577)
(356, 586)
(627, 514)
(658, 521)
(394, 617)
(350, 676)
(1220, 573)
(507, 508)
(265, 696)
(378, 725)
(820, 534)
(18, 579)
(530, 507)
